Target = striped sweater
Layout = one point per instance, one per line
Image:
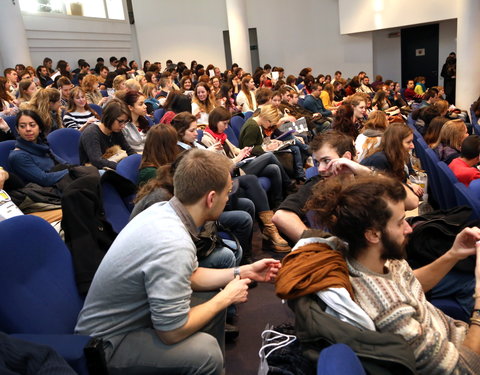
(76, 120)
(396, 303)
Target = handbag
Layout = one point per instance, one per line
(208, 239)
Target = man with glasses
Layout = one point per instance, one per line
(333, 154)
(327, 146)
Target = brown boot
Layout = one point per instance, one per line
(270, 233)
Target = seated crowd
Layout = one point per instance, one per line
(158, 298)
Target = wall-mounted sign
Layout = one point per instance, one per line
(420, 52)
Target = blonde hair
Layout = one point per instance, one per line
(452, 134)
(88, 83)
(442, 106)
(271, 113)
(148, 89)
(40, 103)
(133, 84)
(117, 81)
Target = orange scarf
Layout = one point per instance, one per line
(311, 268)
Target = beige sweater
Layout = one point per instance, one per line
(396, 303)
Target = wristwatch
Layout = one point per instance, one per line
(236, 272)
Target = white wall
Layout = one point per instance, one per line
(447, 43)
(71, 37)
(289, 35)
(387, 55)
(367, 15)
(181, 30)
(299, 34)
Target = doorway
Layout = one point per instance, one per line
(420, 53)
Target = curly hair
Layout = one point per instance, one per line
(349, 207)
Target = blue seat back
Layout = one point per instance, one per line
(433, 176)
(410, 121)
(128, 167)
(311, 172)
(199, 135)
(339, 359)
(465, 197)
(65, 143)
(248, 115)
(476, 126)
(475, 188)
(236, 122)
(12, 122)
(157, 115)
(37, 284)
(97, 109)
(232, 137)
(5, 148)
(447, 181)
(117, 211)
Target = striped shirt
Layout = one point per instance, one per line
(76, 120)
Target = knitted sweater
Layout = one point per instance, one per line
(396, 303)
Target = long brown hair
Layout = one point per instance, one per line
(4, 94)
(452, 134)
(433, 131)
(72, 107)
(163, 179)
(160, 146)
(328, 88)
(246, 91)
(343, 120)
(392, 146)
(209, 104)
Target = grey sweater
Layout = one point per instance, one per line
(94, 143)
(144, 278)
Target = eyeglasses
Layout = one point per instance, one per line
(121, 122)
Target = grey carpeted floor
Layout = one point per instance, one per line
(263, 307)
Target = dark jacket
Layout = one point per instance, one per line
(380, 353)
(88, 234)
(33, 162)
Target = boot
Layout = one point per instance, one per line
(270, 233)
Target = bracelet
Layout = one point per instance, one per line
(475, 323)
(236, 272)
(475, 314)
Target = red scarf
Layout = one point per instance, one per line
(222, 137)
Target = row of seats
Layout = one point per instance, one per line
(40, 301)
(447, 191)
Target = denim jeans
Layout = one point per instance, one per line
(457, 285)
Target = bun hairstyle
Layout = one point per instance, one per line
(349, 207)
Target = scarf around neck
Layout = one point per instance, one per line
(222, 137)
(39, 149)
